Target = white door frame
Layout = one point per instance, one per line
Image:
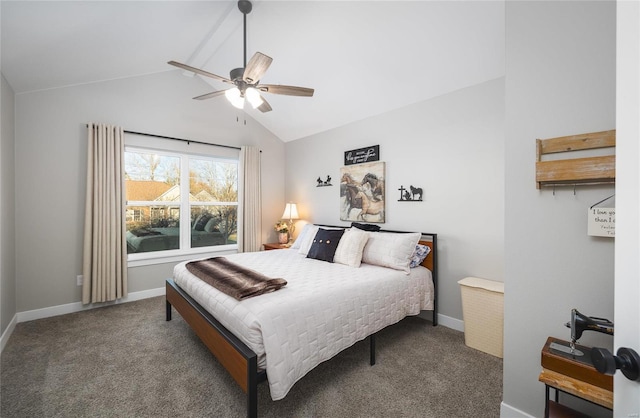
(627, 245)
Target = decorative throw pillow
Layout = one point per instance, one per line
(419, 254)
(391, 250)
(350, 247)
(365, 227)
(307, 240)
(325, 244)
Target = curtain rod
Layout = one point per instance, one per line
(180, 139)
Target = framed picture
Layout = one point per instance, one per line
(362, 192)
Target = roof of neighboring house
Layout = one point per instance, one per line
(148, 190)
(171, 195)
(145, 189)
(204, 196)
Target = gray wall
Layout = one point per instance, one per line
(50, 169)
(452, 147)
(560, 80)
(7, 209)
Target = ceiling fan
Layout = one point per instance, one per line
(246, 80)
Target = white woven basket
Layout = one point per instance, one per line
(483, 312)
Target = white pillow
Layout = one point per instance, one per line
(307, 239)
(301, 235)
(388, 249)
(350, 247)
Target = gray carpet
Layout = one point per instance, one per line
(127, 361)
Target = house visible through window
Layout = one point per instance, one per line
(177, 202)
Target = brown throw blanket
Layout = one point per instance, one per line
(233, 279)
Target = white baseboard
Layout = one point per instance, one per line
(7, 332)
(449, 322)
(78, 306)
(445, 321)
(507, 411)
(71, 308)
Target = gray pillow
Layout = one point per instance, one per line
(366, 227)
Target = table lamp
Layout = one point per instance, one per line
(290, 213)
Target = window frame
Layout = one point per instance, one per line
(184, 252)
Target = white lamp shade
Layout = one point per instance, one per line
(235, 97)
(290, 211)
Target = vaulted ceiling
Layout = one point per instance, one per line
(363, 58)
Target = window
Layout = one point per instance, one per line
(178, 203)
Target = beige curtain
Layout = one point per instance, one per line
(104, 263)
(251, 202)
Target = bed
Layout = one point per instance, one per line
(299, 326)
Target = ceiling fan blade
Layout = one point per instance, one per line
(265, 106)
(210, 95)
(256, 67)
(199, 71)
(287, 90)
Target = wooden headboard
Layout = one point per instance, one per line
(430, 261)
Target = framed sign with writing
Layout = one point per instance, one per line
(362, 155)
(601, 222)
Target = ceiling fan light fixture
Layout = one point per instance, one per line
(246, 79)
(253, 96)
(235, 97)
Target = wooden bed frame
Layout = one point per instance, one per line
(239, 360)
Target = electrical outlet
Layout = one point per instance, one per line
(79, 279)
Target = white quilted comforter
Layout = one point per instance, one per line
(323, 309)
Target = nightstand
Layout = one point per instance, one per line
(275, 246)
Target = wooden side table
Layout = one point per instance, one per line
(275, 246)
(580, 379)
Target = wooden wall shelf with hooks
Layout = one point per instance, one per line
(576, 171)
